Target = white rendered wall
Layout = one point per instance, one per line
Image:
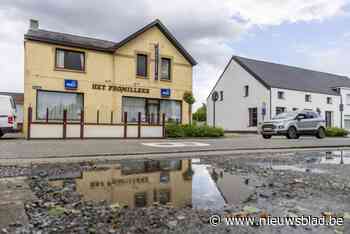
(232, 113)
(296, 99)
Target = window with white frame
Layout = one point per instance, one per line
(347, 99)
(54, 103)
(71, 60)
(307, 98)
(329, 100)
(280, 95)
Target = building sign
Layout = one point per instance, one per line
(165, 92)
(70, 84)
(157, 59)
(116, 88)
(119, 182)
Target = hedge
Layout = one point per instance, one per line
(336, 132)
(192, 130)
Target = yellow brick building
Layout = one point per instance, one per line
(147, 72)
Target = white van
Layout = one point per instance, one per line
(8, 115)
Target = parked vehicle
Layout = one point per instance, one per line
(294, 124)
(8, 115)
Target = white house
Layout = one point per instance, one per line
(251, 91)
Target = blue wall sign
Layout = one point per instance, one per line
(70, 84)
(165, 92)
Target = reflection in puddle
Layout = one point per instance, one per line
(178, 183)
(335, 157)
(295, 168)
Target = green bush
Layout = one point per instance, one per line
(336, 132)
(174, 130)
(192, 130)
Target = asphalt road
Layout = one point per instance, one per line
(12, 148)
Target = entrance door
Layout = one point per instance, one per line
(329, 120)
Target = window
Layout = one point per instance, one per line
(253, 117)
(140, 199)
(141, 65)
(166, 69)
(56, 102)
(72, 60)
(246, 91)
(307, 98)
(133, 106)
(348, 99)
(347, 122)
(221, 95)
(164, 196)
(280, 95)
(151, 107)
(172, 110)
(329, 100)
(280, 110)
(311, 115)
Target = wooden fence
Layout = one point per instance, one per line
(153, 127)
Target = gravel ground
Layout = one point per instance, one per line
(306, 187)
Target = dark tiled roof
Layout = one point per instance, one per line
(294, 78)
(70, 40)
(101, 45)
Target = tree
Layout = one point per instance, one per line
(189, 99)
(201, 113)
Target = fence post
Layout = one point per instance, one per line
(139, 125)
(98, 117)
(64, 135)
(163, 124)
(111, 117)
(152, 118)
(82, 124)
(47, 115)
(30, 112)
(125, 124)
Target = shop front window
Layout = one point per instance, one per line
(56, 102)
(151, 108)
(172, 110)
(133, 106)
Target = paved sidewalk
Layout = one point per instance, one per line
(22, 149)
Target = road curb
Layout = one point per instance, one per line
(177, 152)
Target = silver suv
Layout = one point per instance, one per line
(294, 124)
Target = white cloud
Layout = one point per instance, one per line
(204, 26)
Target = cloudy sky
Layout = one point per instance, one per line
(308, 33)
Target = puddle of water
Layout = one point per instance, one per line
(296, 168)
(175, 144)
(334, 157)
(171, 182)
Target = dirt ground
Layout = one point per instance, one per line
(295, 184)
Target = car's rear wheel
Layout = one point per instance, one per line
(266, 136)
(292, 133)
(321, 133)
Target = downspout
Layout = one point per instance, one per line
(341, 108)
(270, 104)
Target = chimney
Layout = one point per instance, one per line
(33, 24)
